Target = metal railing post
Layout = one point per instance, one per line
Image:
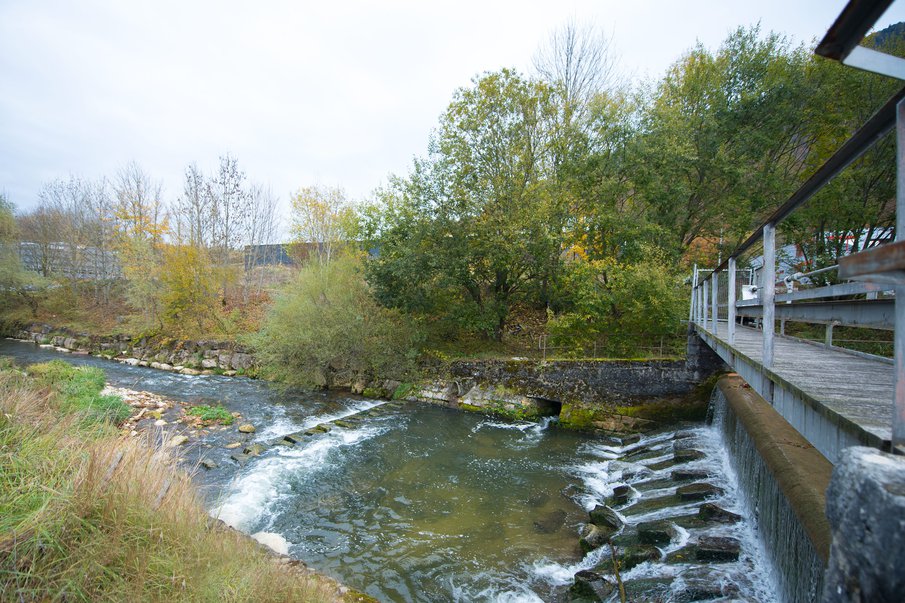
(730, 301)
(694, 290)
(714, 299)
(704, 304)
(898, 412)
(769, 293)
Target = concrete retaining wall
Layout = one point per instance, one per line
(784, 480)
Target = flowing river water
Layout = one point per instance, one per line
(411, 502)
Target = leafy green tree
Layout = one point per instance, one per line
(477, 225)
(326, 327)
(857, 209)
(16, 283)
(722, 137)
(188, 291)
(620, 308)
(323, 222)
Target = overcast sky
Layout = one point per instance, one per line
(333, 92)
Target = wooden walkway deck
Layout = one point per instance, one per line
(834, 398)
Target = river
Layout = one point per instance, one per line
(412, 502)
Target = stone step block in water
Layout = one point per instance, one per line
(633, 555)
(240, 458)
(653, 504)
(704, 584)
(630, 439)
(656, 532)
(255, 449)
(605, 517)
(322, 428)
(593, 537)
(588, 585)
(685, 444)
(717, 549)
(342, 423)
(712, 513)
(657, 483)
(687, 475)
(697, 491)
(708, 550)
(620, 496)
(648, 589)
(686, 455)
(297, 437)
(643, 453)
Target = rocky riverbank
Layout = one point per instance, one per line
(178, 427)
(185, 356)
(597, 396)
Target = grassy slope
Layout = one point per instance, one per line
(88, 516)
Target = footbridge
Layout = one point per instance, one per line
(848, 405)
(835, 397)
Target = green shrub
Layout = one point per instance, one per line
(622, 307)
(212, 413)
(326, 326)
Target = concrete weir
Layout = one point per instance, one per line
(784, 479)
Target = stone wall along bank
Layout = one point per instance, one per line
(187, 357)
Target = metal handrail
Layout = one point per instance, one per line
(879, 269)
(876, 127)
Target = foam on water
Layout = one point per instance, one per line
(249, 500)
(559, 574)
(751, 573)
(499, 593)
(283, 425)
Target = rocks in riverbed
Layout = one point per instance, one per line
(591, 585)
(687, 475)
(254, 450)
(717, 548)
(246, 428)
(177, 440)
(593, 537)
(240, 458)
(686, 455)
(295, 438)
(637, 554)
(699, 491)
(604, 517)
(656, 532)
(208, 464)
(620, 495)
(711, 512)
(233, 445)
(704, 584)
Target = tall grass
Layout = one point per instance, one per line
(89, 516)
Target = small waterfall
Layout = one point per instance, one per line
(796, 563)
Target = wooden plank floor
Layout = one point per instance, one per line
(857, 388)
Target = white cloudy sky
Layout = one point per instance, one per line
(333, 92)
